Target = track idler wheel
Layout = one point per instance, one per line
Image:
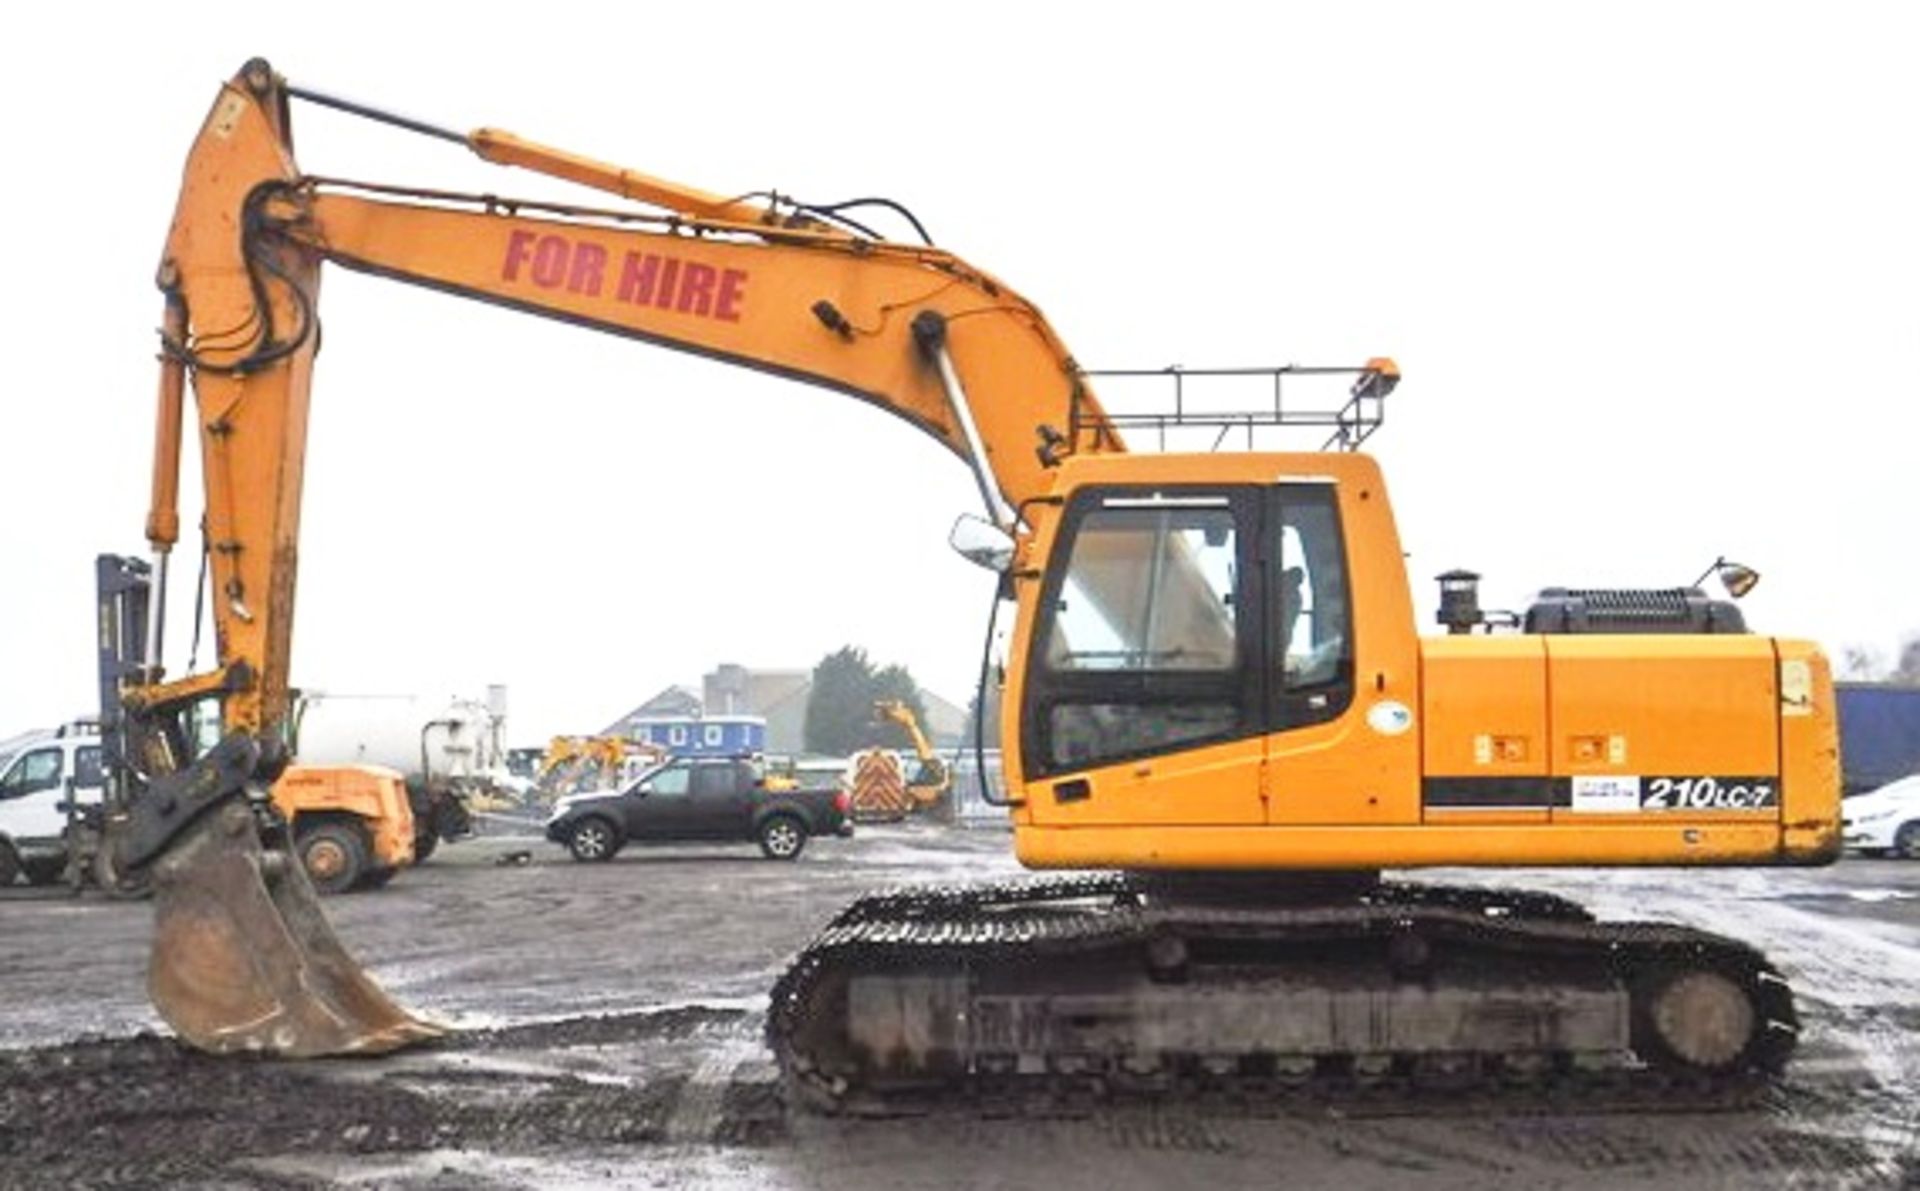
(244, 960)
(1699, 1020)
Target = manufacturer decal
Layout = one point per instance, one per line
(1602, 793)
(1389, 718)
(1611, 793)
(1606, 794)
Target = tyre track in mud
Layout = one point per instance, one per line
(147, 1112)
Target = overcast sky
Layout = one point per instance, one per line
(1649, 270)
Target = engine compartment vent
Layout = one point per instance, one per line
(1631, 610)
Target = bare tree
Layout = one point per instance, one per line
(1864, 663)
(1908, 669)
(1861, 663)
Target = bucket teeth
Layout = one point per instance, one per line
(244, 960)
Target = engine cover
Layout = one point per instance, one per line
(1631, 610)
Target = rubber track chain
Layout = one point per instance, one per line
(987, 923)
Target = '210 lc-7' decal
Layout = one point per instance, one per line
(1620, 793)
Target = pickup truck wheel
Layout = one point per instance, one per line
(592, 840)
(782, 837)
(9, 865)
(423, 846)
(334, 854)
(1906, 841)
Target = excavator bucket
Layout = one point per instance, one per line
(244, 960)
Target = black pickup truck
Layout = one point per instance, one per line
(698, 798)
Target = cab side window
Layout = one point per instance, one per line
(1313, 637)
(713, 781)
(670, 783)
(33, 772)
(86, 768)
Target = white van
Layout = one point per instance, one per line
(35, 772)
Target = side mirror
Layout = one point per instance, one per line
(1736, 578)
(982, 543)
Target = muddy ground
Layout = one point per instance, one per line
(612, 1018)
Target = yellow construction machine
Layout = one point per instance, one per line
(1216, 696)
(881, 790)
(575, 763)
(352, 825)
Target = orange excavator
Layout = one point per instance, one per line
(1217, 708)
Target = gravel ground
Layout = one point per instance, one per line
(611, 1020)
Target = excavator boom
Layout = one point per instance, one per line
(775, 289)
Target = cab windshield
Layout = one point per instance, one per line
(10, 748)
(1148, 588)
(645, 775)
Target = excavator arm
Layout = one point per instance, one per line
(933, 778)
(764, 284)
(910, 329)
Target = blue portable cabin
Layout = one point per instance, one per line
(1879, 733)
(702, 736)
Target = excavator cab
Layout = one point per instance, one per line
(1185, 642)
(1216, 668)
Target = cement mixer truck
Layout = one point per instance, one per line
(450, 751)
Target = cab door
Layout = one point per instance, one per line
(89, 778)
(1342, 675)
(1143, 696)
(722, 798)
(660, 805)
